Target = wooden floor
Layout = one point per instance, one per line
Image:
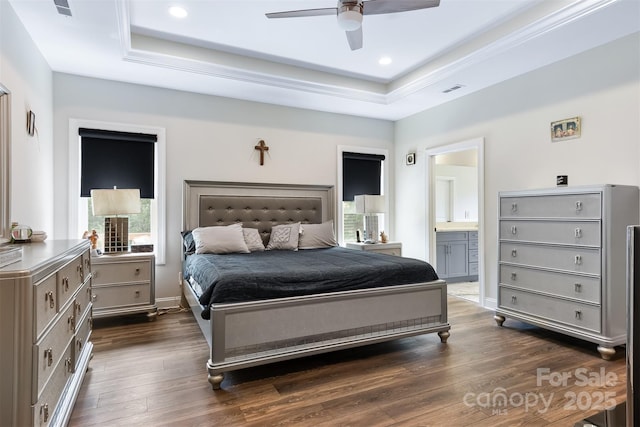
(153, 374)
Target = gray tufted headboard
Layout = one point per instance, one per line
(255, 205)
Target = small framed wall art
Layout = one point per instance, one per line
(411, 158)
(562, 130)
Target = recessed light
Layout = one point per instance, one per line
(385, 60)
(177, 11)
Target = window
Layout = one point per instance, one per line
(125, 156)
(361, 173)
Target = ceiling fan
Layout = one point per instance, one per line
(350, 12)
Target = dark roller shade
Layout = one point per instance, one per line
(360, 174)
(117, 159)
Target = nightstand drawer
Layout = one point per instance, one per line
(121, 295)
(121, 272)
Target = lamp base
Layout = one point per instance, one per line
(116, 235)
(371, 228)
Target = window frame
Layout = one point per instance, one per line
(77, 209)
(384, 184)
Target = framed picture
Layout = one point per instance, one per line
(411, 158)
(562, 130)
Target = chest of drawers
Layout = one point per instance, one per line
(45, 329)
(562, 260)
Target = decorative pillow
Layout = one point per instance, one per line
(188, 242)
(314, 236)
(220, 239)
(253, 240)
(284, 237)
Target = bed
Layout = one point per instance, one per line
(259, 307)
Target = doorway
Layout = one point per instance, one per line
(455, 194)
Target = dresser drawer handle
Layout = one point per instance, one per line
(578, 206)
(578, 260)
(514, 299)
(514, 276)
(44, 412)
(514, 253)
(137, 271)
(49, 297)
(78, 307)
(69, 364)
(514, 207)
(71, 321)
(578, 287)
(578, 314)
(578, 232)
(79, 346)
(514, 229)
(48, 355)
(65, 283)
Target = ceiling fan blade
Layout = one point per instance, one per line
(354, 38)
(306, 12)
(377, 7)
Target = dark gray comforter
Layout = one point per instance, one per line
(277, 274)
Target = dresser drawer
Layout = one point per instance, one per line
(568, 233)
(45, 304)
(50, 349)
(587, 205)
(83, 300)
(46, 405)
(121, 272)
(580, 260)
(83, 332)
(69, 279)
(559, 310)
(560, 284)
(121, 296)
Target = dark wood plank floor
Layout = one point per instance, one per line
(153, 373)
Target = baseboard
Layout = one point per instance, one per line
(490, 303)
(168, 302)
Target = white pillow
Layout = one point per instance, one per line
(314, 236)
(220, 239)
(252, 239)
(284, 237)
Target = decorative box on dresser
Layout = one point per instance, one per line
(389, 248)
(124, 283)
(45, 326)
(562, 260)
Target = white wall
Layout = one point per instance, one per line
(601, 85)
(465, 191)
(25, 73)
(210, 138)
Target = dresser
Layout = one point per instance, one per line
(457, 255)
(124, 283)
(389, 248)
(45, 329)
(562, 260)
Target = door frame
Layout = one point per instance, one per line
(478, 145)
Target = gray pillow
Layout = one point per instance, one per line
(220, 239)
(284, 237)
(315, 236)
(253, 240)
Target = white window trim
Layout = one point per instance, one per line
(75, 210)
(384, 183)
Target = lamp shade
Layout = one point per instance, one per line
(370, 204)
(115, 202)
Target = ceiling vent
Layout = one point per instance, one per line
(452, 88)
(63, 7)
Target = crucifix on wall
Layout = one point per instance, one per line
(262, 147)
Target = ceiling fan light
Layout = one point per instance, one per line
(350, 20)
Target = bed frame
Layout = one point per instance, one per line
(254, 333)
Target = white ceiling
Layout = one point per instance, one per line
(229, 48)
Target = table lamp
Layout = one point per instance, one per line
(110, 204)
(370, 206)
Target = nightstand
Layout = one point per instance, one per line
(124, 283)
(389, 248)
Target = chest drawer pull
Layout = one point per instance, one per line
(514, 207)
(514, 253)
(514, 299)
(65, 283)
(578, 232)
(137, 271)
(44, 412)
(71, 321)
(578, 287)
(49, 297)
(514, 229)
(514, 276)
(578, 260)
(578, 314)
(48, 355)
(69, 364)
(578, 206)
